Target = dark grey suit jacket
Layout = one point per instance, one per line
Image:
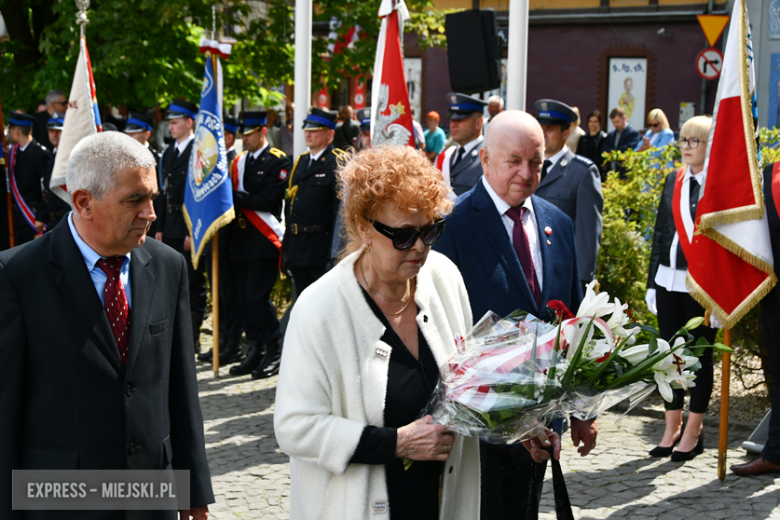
(67, 401)
(574, 186)
(467, 172)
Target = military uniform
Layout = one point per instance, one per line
(573, 184)
(53, 208)
(170, 221)
(460, 164)
(30, 170)
(312, 207)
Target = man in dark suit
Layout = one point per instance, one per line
(171, 228)
(96, 367)
(31, 163)
(460, 163)
(515, 251)
(572, 183)
(312, 202)
(769, 461)
(623, 137)
(259, 180)
(56, 101)
(347, 131)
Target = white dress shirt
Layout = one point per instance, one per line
(469, 146)
(671, 278)
(181, 146)
(529, 223)
(254, 156)
(557, 157)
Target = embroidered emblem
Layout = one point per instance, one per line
(380, 507)
(544, 105)
(283, 175)
(380, 353)
(547, 230)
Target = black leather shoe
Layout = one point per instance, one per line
(269, 367)
(660, 451)
(206, 357)
(231, 353)
(251, 361)
(682, 456)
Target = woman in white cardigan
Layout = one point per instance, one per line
(361, 358)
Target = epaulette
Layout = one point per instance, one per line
(339, 153)
(584, 160)
(277, 153)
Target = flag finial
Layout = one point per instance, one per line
(81, 16)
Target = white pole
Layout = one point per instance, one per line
(303, 9)
(517, 55)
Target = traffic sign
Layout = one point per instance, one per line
(713, 25)
(709, 63)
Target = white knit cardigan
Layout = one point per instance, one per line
(333, 382)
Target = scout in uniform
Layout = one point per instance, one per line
(259, 179)
(460, 163)
(171, 227)
(572, 183)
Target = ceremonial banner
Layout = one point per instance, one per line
(82, 119)
(208, 198)
(730, 264)
(391, 113)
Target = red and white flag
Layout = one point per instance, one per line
(730, 264)
(336, 44)
(391, 112)
(82, 119)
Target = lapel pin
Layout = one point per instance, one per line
(564, 162)
(382, 354)
(548, 230)
(549, 243)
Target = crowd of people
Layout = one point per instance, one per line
(392, 253)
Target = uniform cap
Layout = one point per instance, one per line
(462, 106)
(549, 111)
(231, 124)
(17, 119)
(181, 108)
(56, 121)
(251, 121)
(137, 122)
(364, 117)
(319, 119)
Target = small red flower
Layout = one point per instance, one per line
(561, 311)
(630, 315)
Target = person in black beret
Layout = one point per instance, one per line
(572, 183)
(460, 162)
(53, 208)
(30, 167)
(259, 180)
(171, 227)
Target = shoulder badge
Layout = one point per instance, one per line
(277, 153)
(282, 175)
(583, 160)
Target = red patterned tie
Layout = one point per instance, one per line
(523, 250)
(115, 303)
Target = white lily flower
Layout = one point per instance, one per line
(594, 304)
(663, 381)
(635, 355)
(599, 349)
(666, 362)
(619, 319)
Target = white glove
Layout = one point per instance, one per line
(650, 301)
(715, 322)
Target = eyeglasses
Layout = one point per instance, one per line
(405, 238)
(692, 142)
(655, 124)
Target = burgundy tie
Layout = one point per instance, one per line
(523, 250)
(115, 303)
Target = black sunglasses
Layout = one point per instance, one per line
(404, 238)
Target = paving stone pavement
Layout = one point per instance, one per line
(251, 475)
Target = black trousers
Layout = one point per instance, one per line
(231, 318)
(197, 279)
(254, 281)
(674, 311)
(770, 321)
(305, 276)
(506, 473)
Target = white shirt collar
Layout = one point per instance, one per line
(503, 206)
(23, 148)
(700, 177)
(180, 147)
(256, 154)
(471, 145)
(316, 156)
(555, 158)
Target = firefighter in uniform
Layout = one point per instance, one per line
(259, 179)
(139, 127)
(53, 207)
(312, 202)
(171, 227)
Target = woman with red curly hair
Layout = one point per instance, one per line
(362, 353)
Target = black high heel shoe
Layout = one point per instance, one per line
(682, 456)
(660, 451)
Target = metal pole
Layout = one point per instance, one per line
(517, 55)
(81, 16)
(723, 434)
(303, 24)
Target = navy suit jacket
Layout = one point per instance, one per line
(476, 240)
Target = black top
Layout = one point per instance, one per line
(413, 494)
(590, 146)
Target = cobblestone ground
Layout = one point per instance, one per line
(251, 475)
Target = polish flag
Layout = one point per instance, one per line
(391, 112)
(82, 119)
(730, 264)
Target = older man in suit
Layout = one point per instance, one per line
(96, 366)
(572, 183)
(514, 250)
(460, 163)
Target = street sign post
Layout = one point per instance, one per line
(709, 63)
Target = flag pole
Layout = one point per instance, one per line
(215, 238)
(8, 201)
(723, 436)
